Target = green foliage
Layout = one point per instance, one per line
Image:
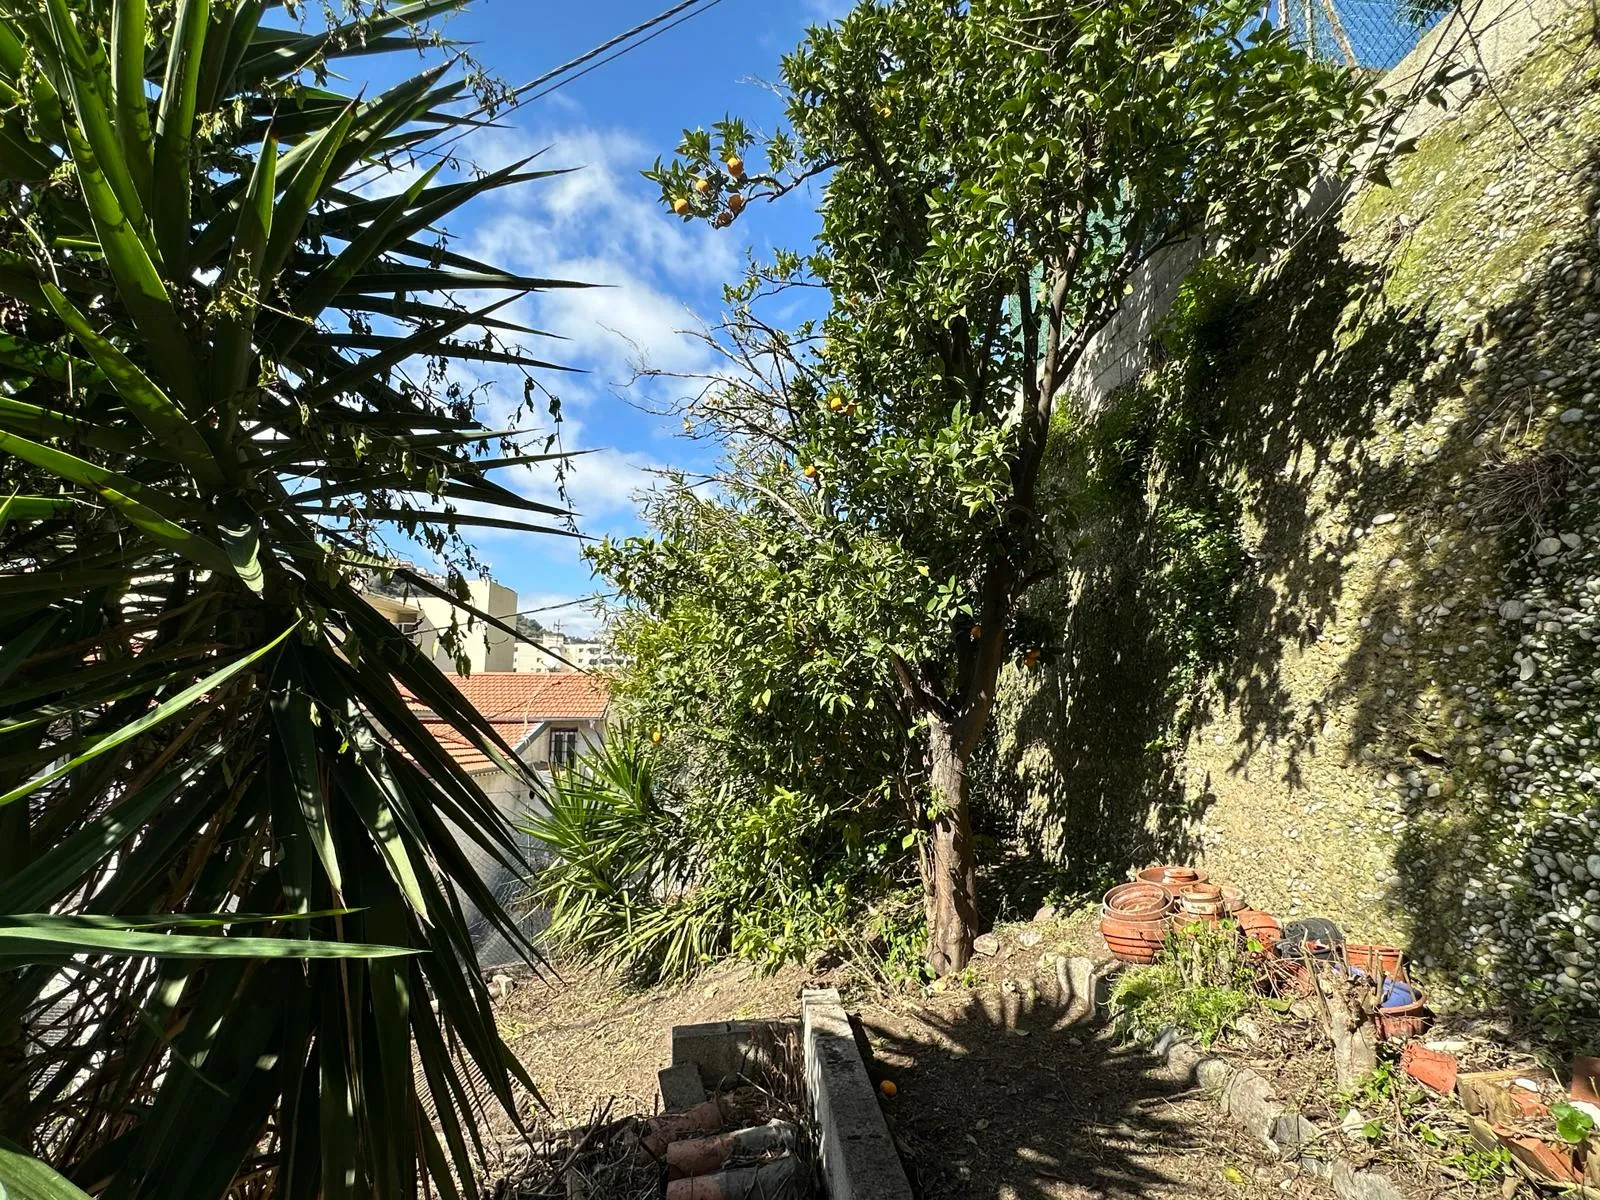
(658, 882)
(1482, 1166)
(1387, 1099)
(231, 860)
(1200, 984)
(1392, 1107)
(1573, 1125)
(780, 734)
(1142, 472)
(996, 174)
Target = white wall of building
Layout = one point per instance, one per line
(425, 618)
(585, 654)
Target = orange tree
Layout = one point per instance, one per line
(233, 956)
(995, 175)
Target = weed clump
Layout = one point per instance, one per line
(1200, 985)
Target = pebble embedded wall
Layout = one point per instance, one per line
(1407, 735)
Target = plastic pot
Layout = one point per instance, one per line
(1401, 1021)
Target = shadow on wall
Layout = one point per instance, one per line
(1402, 733)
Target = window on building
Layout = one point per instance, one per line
(563, 747)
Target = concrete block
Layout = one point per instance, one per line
(681, 1087)
(724, 1050)
(858, 1154)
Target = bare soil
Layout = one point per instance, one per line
(995, 1095)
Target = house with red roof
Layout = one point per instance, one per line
(548, 718)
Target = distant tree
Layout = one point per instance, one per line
(996, 174)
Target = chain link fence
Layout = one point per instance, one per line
(1374, 34)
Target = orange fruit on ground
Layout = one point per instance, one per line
(655, 737)
(888, 1088)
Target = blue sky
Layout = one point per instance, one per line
(602, 224)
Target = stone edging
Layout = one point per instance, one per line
(1247, 1099)
(859, 1158)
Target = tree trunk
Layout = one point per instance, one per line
(1349, 1007)
(950, 887)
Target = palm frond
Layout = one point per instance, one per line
(232, 864)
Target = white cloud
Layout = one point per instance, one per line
(600, 486)
(602, 225)
(577, 616)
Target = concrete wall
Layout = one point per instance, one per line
(486, 648)
(1406, 735)
(1117, 354)
(1477, 42)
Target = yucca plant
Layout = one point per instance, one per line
(233, 959)
(618, 880)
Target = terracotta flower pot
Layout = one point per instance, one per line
(1133, 946)
(1431, 1068)
(1135, 899)
(1390, 960)
(1292, 978)
(1233, 900)
(1200, 900)
(1172, 875)
(1262, 926)
(1134, 936)
(1405, 1020)
(1550, 1162)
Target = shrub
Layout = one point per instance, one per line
(657, 881)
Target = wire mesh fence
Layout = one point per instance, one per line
(1374, 34)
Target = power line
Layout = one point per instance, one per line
(612, 42)
(616, 54)
(595, 599)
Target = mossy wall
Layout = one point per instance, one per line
(1400, 418)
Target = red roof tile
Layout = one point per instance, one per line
(515, 702)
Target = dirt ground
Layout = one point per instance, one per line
(996, 1097)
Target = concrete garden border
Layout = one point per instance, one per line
(858, 1157)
